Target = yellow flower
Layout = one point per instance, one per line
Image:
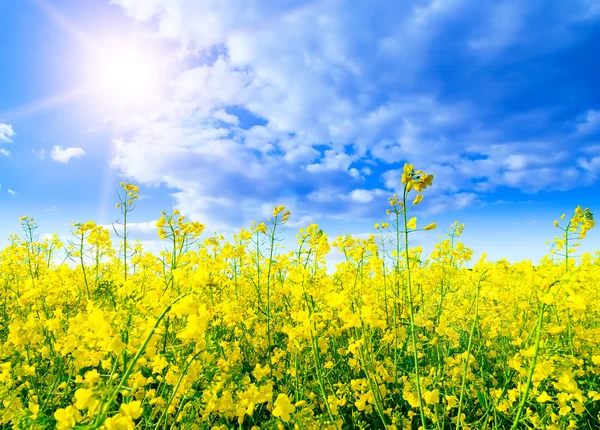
(119, 422)
(555, 329)
(283, 408)
(577, 302)
(83, 398)
(431, 397)
(28, 370)
(411, 398)
(262, 228)
(430, 226)
(260, 372)
(547, 299)
(543, 398)
(91, 377)
(418, 199)
(407, 173)
(427, 180)
(35, 410)
(452, 402)
(133, 409)
(412, 223)
(65, 418)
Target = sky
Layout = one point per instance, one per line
(226, 108)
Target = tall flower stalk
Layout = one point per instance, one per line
(126, 205)
(412, 180)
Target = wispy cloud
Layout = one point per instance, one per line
(501, 28)
(6, 133)
(39, 153)
(590, 123)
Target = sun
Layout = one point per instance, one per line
(123, 73)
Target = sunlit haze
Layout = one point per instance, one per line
(122, 73)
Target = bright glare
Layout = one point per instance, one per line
(123, 74)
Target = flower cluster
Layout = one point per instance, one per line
(247, 334)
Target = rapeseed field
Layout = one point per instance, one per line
(245, 334)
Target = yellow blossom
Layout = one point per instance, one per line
(418, 199)
(133, 409)
(283, 408)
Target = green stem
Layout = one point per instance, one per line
(536, 350)
(413, 333)
(373, 386)
(172, 397)
(87, 287)
(315, 350)
(104, 409)
(125, 237)
(466, 368)
(272, 245)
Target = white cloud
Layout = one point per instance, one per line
(4, 152)
(592, 149)
(590, 122)
(332, 161)
(450, 203)
(326, 101)
(206, 23)
(6, 133)
(530, 166)
(591, 165)
(154, 246)
(558, 178)
(301, 221)
(366, 196)
(143, 227)
(138, 227)
(221, 115)
(502, 29)
(12, 192)
(64, 155)
(325, 195)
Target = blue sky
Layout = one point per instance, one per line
(312, 104)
